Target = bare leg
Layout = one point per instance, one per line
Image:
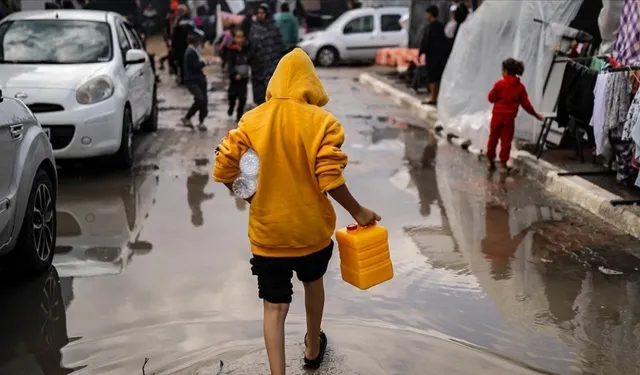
(274, 317)
(314, 305)
(433, 92)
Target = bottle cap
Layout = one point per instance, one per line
(352, 226)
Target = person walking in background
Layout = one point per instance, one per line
(167, 36)
(266, 48)
(149, 16)
(507, 95)
(223, 44)
(247, 22)
(289, 28)
(181, 29)
(460, 15)
(435, 48)
(195, 80)
(239, 58)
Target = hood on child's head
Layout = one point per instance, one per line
(296, 78)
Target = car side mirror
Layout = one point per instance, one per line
(135, 56)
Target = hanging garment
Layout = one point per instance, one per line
(617, 101)
(598, 116)
(627, 47)
(576, 96)
(633, 117)
(624, 150)
(597, 64)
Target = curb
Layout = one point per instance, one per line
(573, 189)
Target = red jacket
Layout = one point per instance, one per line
(507, 95)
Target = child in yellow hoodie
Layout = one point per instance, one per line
(291, 218)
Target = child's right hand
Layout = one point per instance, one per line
(365, 217)
(540, 116)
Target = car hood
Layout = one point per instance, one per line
(47, 76)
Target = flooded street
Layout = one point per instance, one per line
(490, 276)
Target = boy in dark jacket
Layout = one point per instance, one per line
(195, 80)
(238, 67)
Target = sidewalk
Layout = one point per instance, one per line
(593, 194)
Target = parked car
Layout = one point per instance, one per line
(357, 35)
(28, 188)
(86, 77)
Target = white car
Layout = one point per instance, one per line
(357, 35)
(85, 76)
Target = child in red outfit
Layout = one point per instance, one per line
(507, 95)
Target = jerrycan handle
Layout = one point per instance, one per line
(355, 227)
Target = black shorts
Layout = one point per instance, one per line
(434, 72)
(275, 274)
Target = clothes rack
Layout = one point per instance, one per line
(614, 202)
(548, 120)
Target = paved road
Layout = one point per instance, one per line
(491, 277)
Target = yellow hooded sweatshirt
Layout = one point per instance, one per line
(298, 144)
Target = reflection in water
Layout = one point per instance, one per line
(498, 245)
(33, 325)
(538, 266)
(99, 223)
(196, 182)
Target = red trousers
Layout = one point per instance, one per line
(501, 129)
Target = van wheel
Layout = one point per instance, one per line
(151, 124)
(37, 240)
(327, 56)
(124, 156)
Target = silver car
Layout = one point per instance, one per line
(28, 188)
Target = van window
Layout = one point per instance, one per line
(359, 25)
(390, 22)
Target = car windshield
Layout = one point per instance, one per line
(54, 42)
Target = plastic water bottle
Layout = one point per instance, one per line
(244, 186)
(249, 163)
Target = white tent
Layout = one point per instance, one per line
(499, 29)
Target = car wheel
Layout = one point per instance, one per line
(37, 240)
(327, 56)
(151, 124)
(124, 157)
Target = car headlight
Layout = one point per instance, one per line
(94, 91)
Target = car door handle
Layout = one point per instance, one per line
(16, 131)
(141, 73)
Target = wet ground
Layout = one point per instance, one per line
(491, 276)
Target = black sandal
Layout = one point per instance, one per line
(315, 363)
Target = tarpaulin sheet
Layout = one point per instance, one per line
(497, 30)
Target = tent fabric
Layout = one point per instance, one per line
(609, 22)
(495, 31)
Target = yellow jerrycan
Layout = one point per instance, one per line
(364, 255)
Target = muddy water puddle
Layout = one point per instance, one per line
(491, 275)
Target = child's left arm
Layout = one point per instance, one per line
(228, 153)
(331, 160)
(526, 104)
